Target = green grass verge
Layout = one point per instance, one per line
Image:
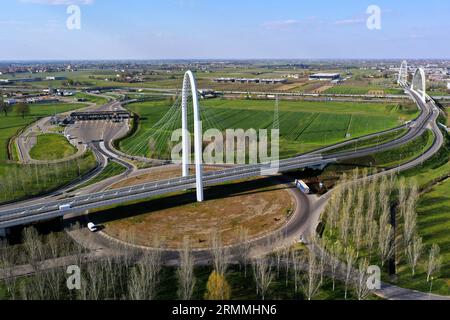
(52, 147)
(112, 169)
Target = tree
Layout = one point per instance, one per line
(217, 287)
(414, 252)
(385, 235)
(410, 215)
(434, 262)
(350, 258)
(33, 246)
(243, 249)
(22, 109)
(333, 209)
(335, 254)
(5, 108)
(262, 271)
(218, 253)
(345, 223)
(361, 288)
(358, 236)
(144, 277)
(371, 237)
(312, 280)
(185, 272)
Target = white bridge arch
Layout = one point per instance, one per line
(403, 74)
(190, 83)
(419, 83)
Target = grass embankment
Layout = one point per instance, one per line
(374, 141)
(23, 181)
(112, 169)
(304, 126)
(395, 157)
(52, 147)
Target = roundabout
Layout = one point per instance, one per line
(260, 206)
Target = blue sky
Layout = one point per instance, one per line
(202, 29)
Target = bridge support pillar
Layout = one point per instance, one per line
(189, 81)
(3, 232)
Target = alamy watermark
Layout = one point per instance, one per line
(374, 19)
(374, 279)
(235, 147)
(73, 22)
(74, 280)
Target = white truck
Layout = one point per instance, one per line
(302, 186)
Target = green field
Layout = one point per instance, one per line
(52, 147)
(342, 89)
(304, 126)
(13, 123)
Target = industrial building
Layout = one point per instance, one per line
(100, 115)
(248, 80)
(325, 77)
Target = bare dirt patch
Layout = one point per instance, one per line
(260, 206)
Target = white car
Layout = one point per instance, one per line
(92, 227)
(302, 240)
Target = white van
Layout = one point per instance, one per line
(65, 207)
(92, 227)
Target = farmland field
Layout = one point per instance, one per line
(304, 126)
(361, 90)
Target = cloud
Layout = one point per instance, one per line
(12, 22)
(58, 2)
(281, 24)
(350, 21)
